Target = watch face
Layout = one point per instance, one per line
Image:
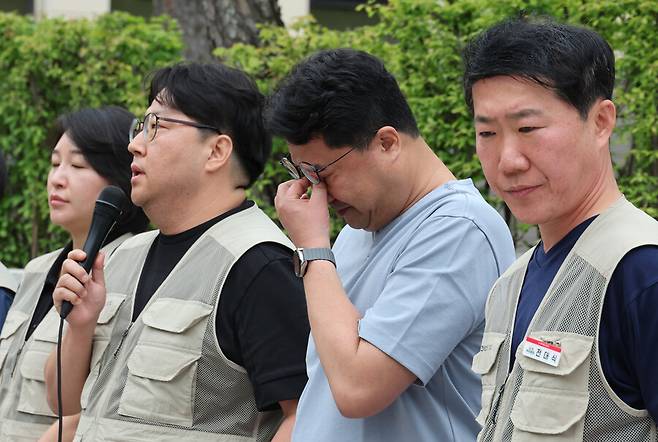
(297, 259)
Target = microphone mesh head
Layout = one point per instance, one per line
(113, 196)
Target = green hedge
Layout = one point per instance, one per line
(54, 66)
(420, 42)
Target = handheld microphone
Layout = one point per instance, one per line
(109, 205)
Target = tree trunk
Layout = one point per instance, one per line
(208, 24)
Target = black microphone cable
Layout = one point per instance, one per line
(59, 381)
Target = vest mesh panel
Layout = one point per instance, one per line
(222, 399)
(572, 304)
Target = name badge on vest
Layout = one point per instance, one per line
(541, 351)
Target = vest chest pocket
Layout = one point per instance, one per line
(101, 339)
(483, 364)
(13, 321)
(552, 401)
(162, 368)
(32, 398)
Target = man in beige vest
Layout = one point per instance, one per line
(211, 325)
(569, 350)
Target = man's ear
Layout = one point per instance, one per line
(604, 116)
(388, 140)
(220, 153)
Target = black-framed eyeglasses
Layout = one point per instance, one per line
(308, 170)
(149, 126)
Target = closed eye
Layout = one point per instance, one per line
(528, 129)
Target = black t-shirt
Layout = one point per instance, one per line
(261, 323)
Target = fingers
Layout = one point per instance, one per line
(97, 274)
(71, 284)
(293, 189)
(73, 268)
(77, 255)
(68, 289)
(319, 194)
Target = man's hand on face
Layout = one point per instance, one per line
(86, 292)
(305, 218)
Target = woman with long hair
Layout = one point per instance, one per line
(91, 153)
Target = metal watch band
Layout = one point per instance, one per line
(324, 254)
(302, 257)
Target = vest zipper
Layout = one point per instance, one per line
(123, 337)
(493, 414)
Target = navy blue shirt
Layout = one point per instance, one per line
(6, 297)
(628, 334)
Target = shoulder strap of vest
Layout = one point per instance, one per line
(145, 238)
(520, 263)
(7, 280)
(247, 228)
(110, 247)
(619, 229)
(42, 263)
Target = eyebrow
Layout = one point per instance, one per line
(74, 151)
(523, 113)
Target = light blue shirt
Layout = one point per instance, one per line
(421, 283)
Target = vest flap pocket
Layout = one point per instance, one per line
(33, 364)
(547, 411)
(160, 385)
(48, 329)
(160, 364)
(112, 304)
(575, 350)
(13, 321)
(485, 358)
(175, 315)
(32, 399)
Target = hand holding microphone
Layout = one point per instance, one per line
(74, 279)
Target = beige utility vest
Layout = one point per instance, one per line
(7, 280)
(573, 401)
(164, 377)
(24, 411)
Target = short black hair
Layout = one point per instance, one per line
(3, 175)
(340, 95)
(101, 134)
(575, 62)
(222, 97)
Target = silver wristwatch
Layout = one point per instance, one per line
(301, 258)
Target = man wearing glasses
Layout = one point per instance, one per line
(211, 320)
(397, 310)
